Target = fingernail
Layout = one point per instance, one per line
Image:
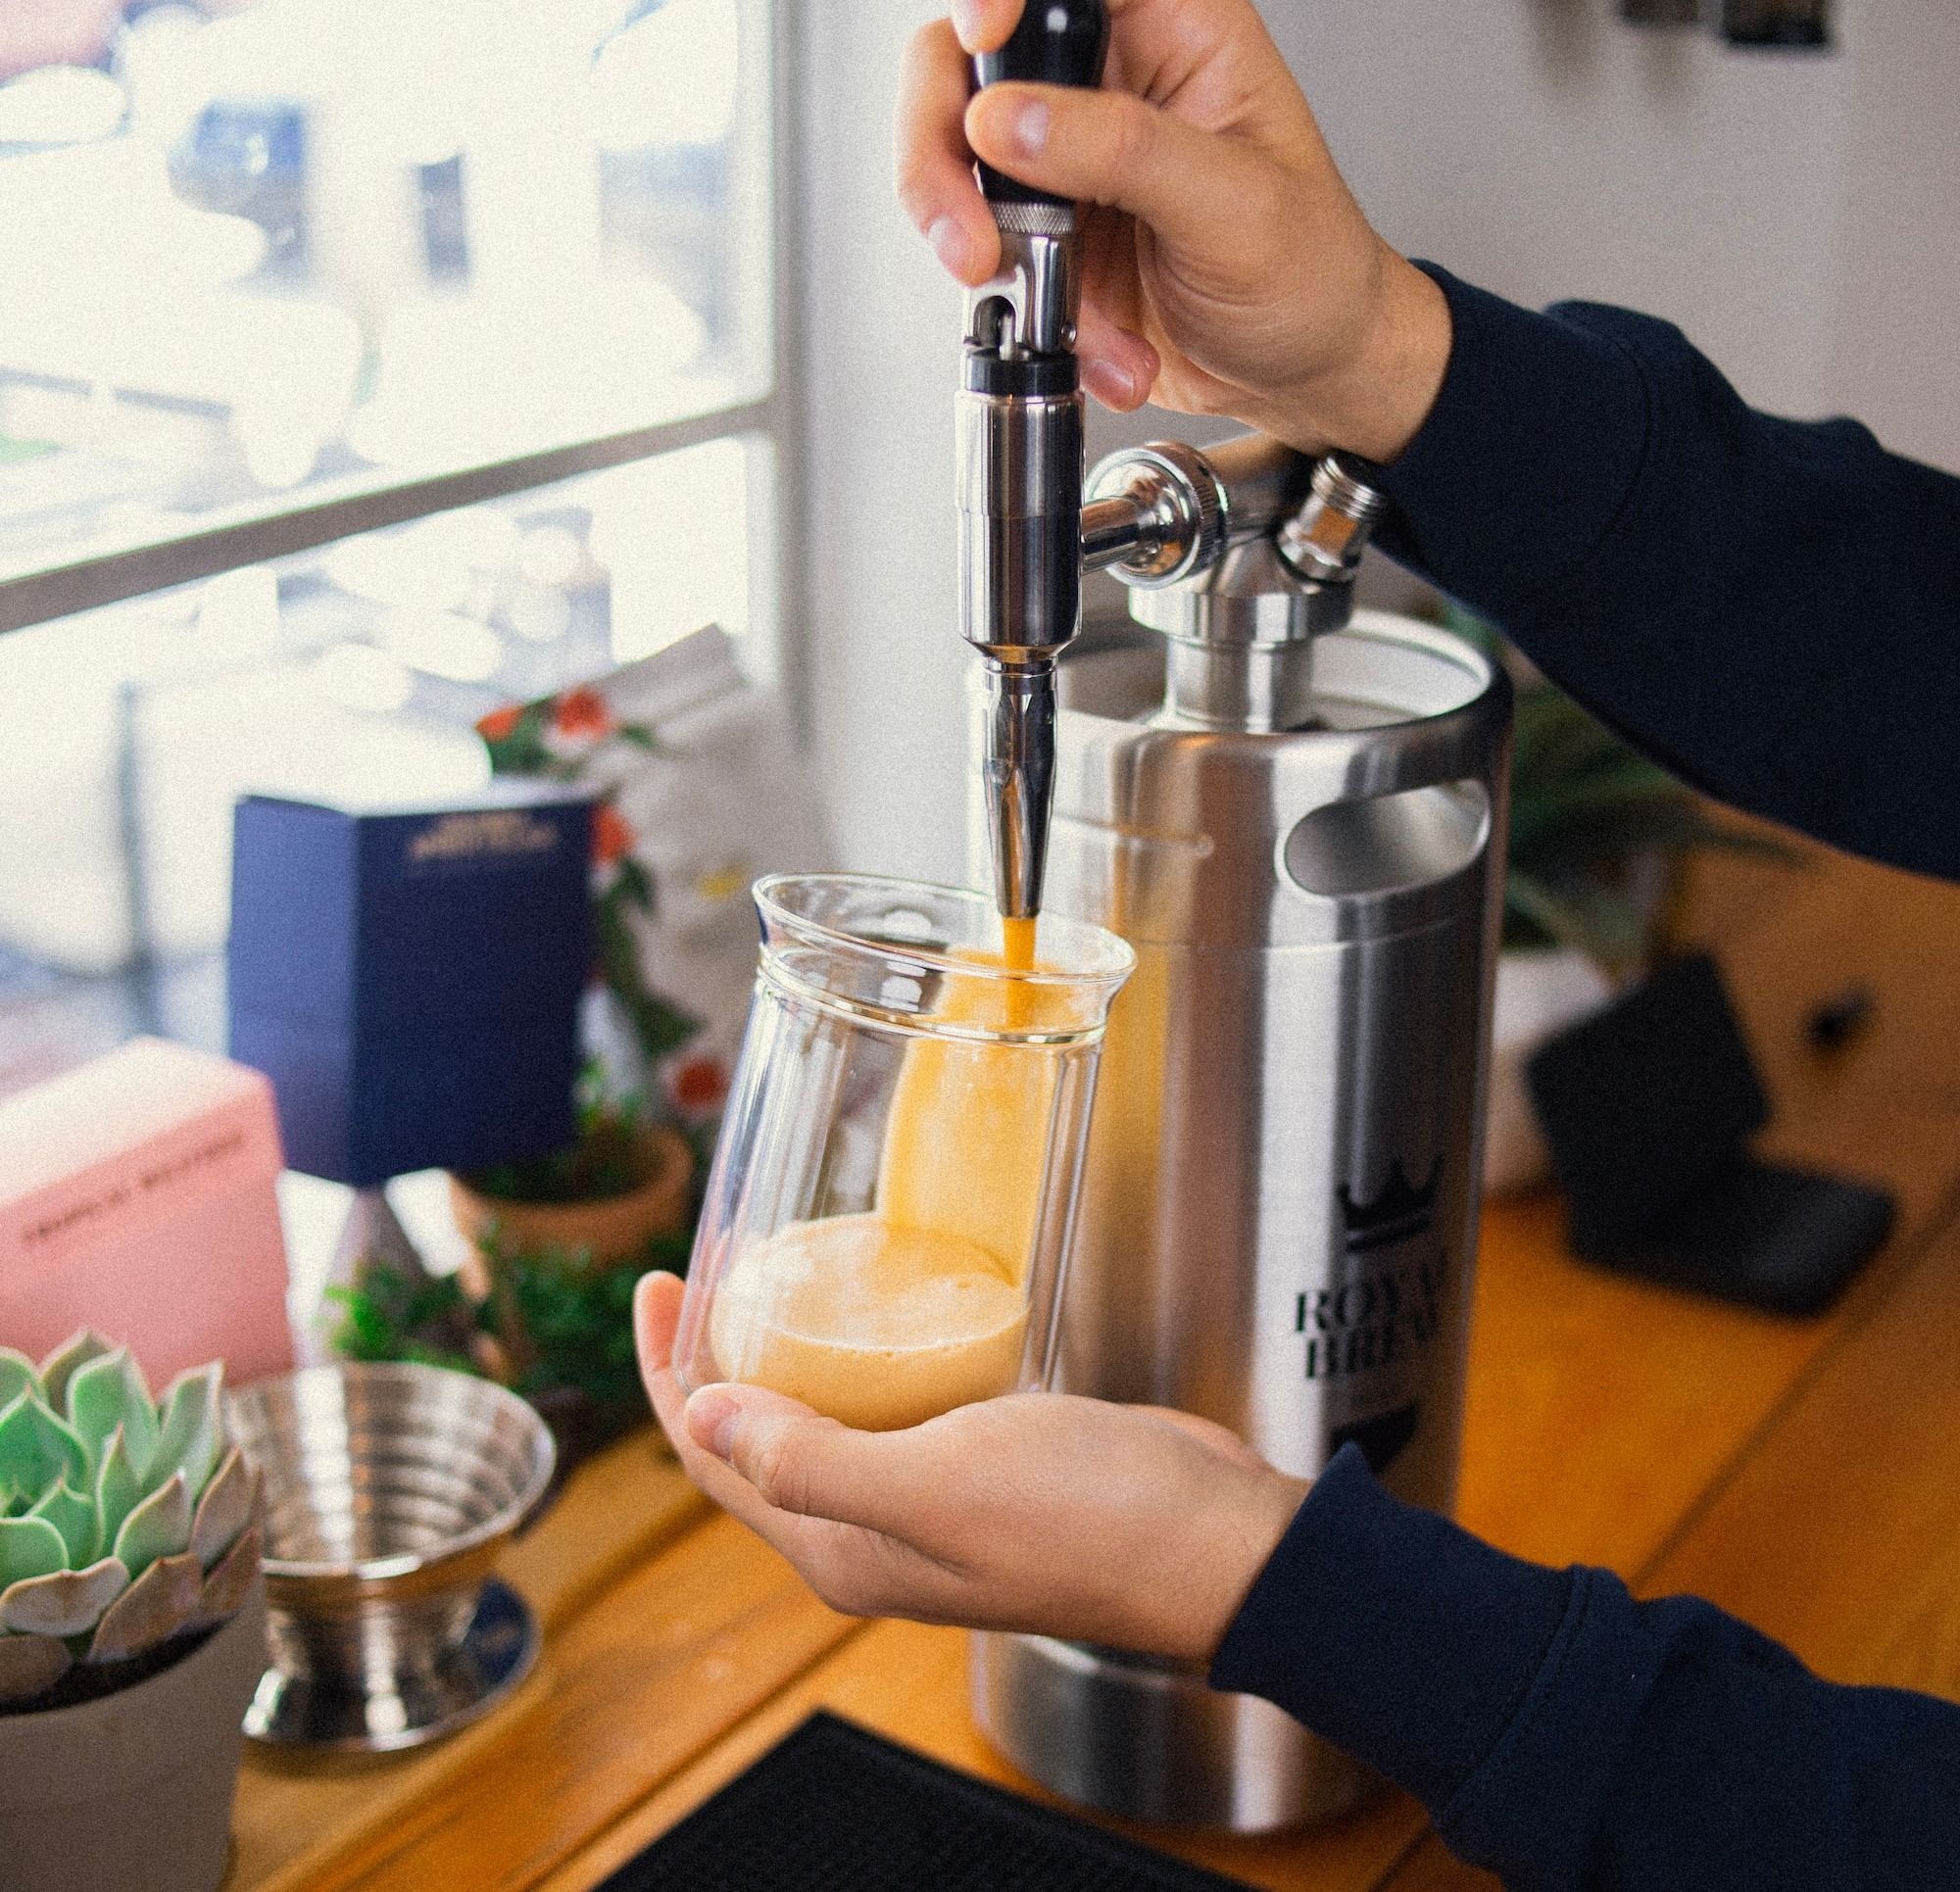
(1110, 384)
(966, 20)
(1031, 126)
(949, 243)
(710, 1418)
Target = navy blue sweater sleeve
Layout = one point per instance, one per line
(1567, 1737)
(1768, 607)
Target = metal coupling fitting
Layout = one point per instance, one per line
(1324, 540)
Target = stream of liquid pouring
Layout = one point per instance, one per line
(1017, 944)
(1018, 955)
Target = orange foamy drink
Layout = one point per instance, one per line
(889, 1316)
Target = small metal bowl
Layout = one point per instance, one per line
(389, 1492)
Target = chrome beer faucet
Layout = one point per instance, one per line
(1253, 545)
(1020, 462)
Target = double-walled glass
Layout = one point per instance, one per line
(889, 1213)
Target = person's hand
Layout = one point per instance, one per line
(1126, 1526)
(1228, 269)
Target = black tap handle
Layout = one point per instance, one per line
(1057, 42)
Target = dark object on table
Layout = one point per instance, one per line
(837, 1809)
(1838, 1019)
(1647, 1108)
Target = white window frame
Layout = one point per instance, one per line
(325, 514)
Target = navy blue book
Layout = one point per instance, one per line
(409, 977)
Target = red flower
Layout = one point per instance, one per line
(581, 713)
(612, 836)
(501, 724)
(700, 1083)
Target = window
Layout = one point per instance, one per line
(363, 364)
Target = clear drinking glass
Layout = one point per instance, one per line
(889, 1212)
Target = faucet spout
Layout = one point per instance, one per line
(1017, 761)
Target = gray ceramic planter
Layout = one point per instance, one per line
(135, 1789)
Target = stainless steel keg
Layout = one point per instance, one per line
(1295, 813)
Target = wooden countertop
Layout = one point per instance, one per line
(1609, 1421)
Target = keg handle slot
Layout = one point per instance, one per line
(1388, 844)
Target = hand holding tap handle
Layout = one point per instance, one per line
(1020, 460)
(1050, 45)
(1227, 268)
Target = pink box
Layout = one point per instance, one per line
(138, 1196)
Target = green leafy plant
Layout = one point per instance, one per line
(560, 739)
(576, 1319)
(1587, 815)
(127, 1524)
(396, 1312)
(661, 1026)
(553, 1319)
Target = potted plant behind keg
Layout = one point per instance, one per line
(560, 1243)
(131, 1622)
(545, 1302)
(1599, 836)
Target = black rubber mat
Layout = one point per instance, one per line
(837, 1809)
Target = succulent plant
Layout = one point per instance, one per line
(125, 1523)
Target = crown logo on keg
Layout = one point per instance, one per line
(1400, 1211)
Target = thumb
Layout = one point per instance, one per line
(657, 1298)
(796, 1459)
(1111, 147)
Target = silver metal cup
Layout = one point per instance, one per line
(389, 1492)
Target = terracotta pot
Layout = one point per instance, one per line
(613, 1230)
(134, 1789)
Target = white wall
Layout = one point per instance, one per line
(881, 346)
(1893, 355)
(1799, 215)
